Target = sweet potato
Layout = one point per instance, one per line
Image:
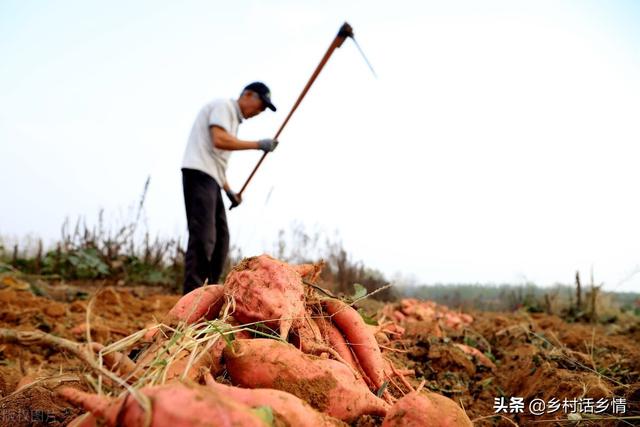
(392, 329)
(115, 361)
(422, 409)
(327, 385)
(172, 405)
(418, 310)
(217, 367)
(467, 319)
(202, 303)
(291, 409)
(408, 306)
(480, 357)
(399, 316)
(380, 337)
(179, 363)
(309, 272)
(307, 337)
(210, 361)
(359, 337)
(25, 381)
(152, 331)
(85, 420)
(267, 290)
(452, 320)
(387, 332)
(335, 339)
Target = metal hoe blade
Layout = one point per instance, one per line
(364, 57)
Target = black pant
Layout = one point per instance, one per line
(208, 231)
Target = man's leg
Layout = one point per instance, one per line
(201, 195)
(222, 243)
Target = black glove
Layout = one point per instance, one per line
(267, 145)
(234, 198)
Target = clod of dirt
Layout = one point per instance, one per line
(55, 310)
(423, 329)
(443, 357)
(9, 378)
(36, 405)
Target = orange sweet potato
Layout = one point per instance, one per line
(172, 405)
(392, 329)
(480, 357)
(360, 338)
(176, 368)
(210, 361)
(216, 350)
(327, 385)
(267, 290)
(115, 361)
(130, 371)
(85, 420)
(306, 336)
(202, 303)
(309, 272)
(422, 409)
(467, 319)
(289, 408)
(452, 320)
(335, 339)
(25, 381)
(399, 316)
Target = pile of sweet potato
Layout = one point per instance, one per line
(292, 356)
(410, 310)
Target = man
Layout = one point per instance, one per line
(204, 166)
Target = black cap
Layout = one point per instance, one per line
(263, 92)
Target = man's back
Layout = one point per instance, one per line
(200, 153)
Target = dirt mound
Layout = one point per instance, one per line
(116, 313)
(37, 404)
(537, 357)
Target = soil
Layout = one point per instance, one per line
(61, 310)
(536, 355)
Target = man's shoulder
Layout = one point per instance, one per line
(218, 103)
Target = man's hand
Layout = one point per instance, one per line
(234, 198)
(267, 145)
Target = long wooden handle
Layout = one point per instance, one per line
(345, 31)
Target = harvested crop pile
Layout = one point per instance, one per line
(336, 365)
(411, 310)
(270, 347)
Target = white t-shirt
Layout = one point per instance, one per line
(200, 153)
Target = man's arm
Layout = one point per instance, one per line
(225, 141)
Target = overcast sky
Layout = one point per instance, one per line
(500, 142)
